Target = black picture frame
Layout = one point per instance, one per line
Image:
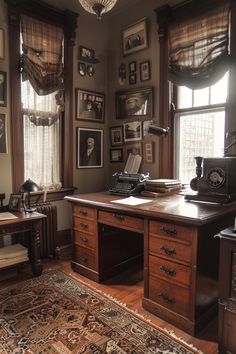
(145, 73)
(116, 135)
(15, 202)
(90, 70)
(132, 67)
(93, 158)
(134, 103)
(116, 155)
(90, 106)
(3, 89)
(82, 68)
(132, 79)
(86, 54)
(134, 37)
(3, 133)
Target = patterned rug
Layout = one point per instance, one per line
(55, 314)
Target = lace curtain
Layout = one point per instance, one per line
(199, 49)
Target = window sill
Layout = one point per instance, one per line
(52, 196)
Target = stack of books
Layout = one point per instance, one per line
(157, 186)
(13, 254)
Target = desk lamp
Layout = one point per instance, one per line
(27, 187)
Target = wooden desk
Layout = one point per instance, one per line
(27, 223)
(177, 239)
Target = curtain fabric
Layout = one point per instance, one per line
(199, 49)
(42, 55)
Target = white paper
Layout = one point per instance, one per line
(132, 201)
(133, 163)
(7, 216)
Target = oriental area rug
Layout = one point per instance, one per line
(56, 314)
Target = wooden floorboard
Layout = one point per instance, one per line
(128, 288)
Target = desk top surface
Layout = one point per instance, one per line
(172, 207)
(22, 217)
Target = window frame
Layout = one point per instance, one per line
(68, 20)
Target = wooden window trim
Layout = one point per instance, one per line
(68, 20)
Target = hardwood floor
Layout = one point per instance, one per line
(128, 288)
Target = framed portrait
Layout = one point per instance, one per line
(148, 151)
(3, 88)
(81, 68)
(134, 37)
(132, 131)
(132, 79)
(86, 54)
(134, 103)
(3, 134)
(116, 155)
(116, 135)
(89, 148)
(145, 71)
(15, 202)
(90, 105)
(135, 149)
(132, 66)
(2, 43)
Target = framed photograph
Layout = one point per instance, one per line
(86, 54)
(116, 134)
(15, 202)
(145, 71)
(3, 134)
(148, 152)
(135, 37)
(3, 88)
(90, 70)
(116, 155)
(81, 68)
(89, 148)
(132, 79)
(135, 149)
(2, 43)
(132, 67)
(134, 103)
(132, 131)
(90, 106)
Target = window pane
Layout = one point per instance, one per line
(184, 97)
(201, 97)
(219, 90)
(200, 134)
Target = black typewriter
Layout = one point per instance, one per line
(128, 184)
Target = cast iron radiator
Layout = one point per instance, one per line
(49, 229)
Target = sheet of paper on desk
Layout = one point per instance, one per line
(7, 216)
(132, 201)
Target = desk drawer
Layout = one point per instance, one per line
(85, 257)
(84, 212)
(121, 220)
(172, 231)
(170, 249)
(171, 271)
(84, 239)
(171, 296)
(84, 225)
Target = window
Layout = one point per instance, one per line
(199, 126)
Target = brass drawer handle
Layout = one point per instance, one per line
(83, 225)
(168, 271)
(168, 232)
(83, 238)
(167, 250)
(119, 217)
(83, 212)
(166, 298)
(83, 258)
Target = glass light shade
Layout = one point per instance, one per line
(98, 7)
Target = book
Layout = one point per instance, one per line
(163, 182)
(162, 189)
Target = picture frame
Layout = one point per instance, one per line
(135, 149)
(145, 73)
(90, 70)
(132, 131)
(3, 133)
(134, 103)
(90, 106)
(86, 54)
(148, 151)
(132, 67)
(82, 68)
(2, 43)
(116, 155)
(134, 37)
(89, 148)
(132, 79)
(15, 202)
(116, 135)
(3, 89)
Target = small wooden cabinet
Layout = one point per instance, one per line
(227, 292)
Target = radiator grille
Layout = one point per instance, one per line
(49, 229)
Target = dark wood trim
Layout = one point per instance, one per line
(52, 196)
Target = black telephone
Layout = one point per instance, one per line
(128, 184)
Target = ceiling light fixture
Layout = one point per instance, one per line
(98, 7)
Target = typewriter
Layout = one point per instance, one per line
(128, 184)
